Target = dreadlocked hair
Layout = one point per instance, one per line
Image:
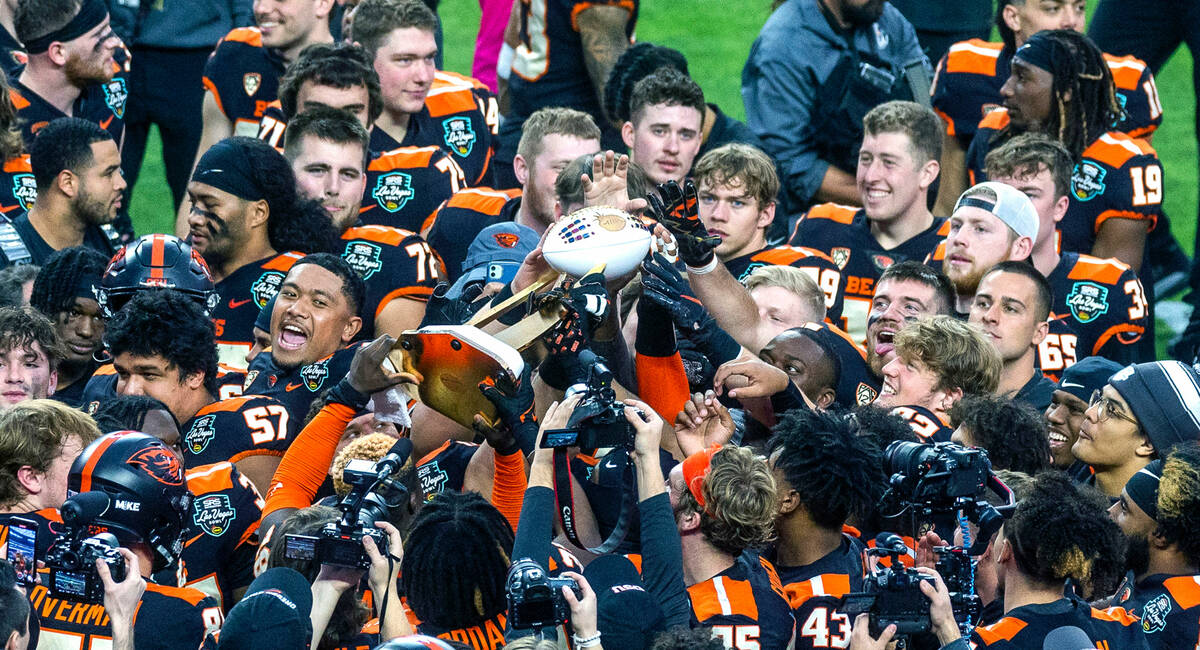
(1081, 73)
(126, 412)
(1059, 531)
(294, 223)
(56, 282)
(1178, 502)
(456, 558)
(636, 63)
(822, 458)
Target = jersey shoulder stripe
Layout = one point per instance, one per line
(187, 594)
(282, 262)
(447, 77)
(1184, 589)
(833, 585)
(482, 199)
(1115, 615)
(995, 119)
(722, 596)
(975, 56)
(379, 234)
(210, 478)
(1106, 271)
(1115, 149)
(403, 158)
(449, 98)
(18, 100)
(19, 164)
(251, 36)
(1004, 629)
(1126, 70)
(105, 369)
(231, 405)
(788, 255)
(843, 214)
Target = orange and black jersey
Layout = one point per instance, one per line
(18, 188)
(243, 294)
(928, 425)
(1025, 628)
(20, 242)
(1116, 177)
(844, 234)
(819, 266)
(220, 538)
(813, 591)
(12, 55)
(488, 635)
(296, 388)
(243, 77)
(393, 263)
(1169, 609)
(100, 102)
(232, 429)
(102, 385)
(464, 216)
(445, 468)
(745, 606)
(1099, 310)
(967, 86)
(405, 186)
(167, 618)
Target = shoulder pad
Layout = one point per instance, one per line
(13, 247)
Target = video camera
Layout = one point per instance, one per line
(73, 554)
(374, 493)
(892, 593)
(535, 600)
(598, 420)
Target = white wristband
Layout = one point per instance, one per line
(707, 268)
(586, 642)
(504, 61)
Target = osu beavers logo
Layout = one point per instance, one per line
(840, 255)
(115, 95)
(363, 257)
(314, 375)
(25, 190)
(1088, 301)
(882, 261)
(265, 287)
(392, 191)
(212, 513)
(459, 135)
(201, 433)
(505, 239)
(1087, 182)
(160, 463)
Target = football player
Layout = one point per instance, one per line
(1064, 416)
(1061, 86)
(12, 54)
(825, 364)
(666, 117)
(551, 140)
(327, 148)
(250, 225)
(905, 292)
(138, 471)
(720, 226)
(1099, 305)
(897, 164)
(1012, 307)
(938, 360)
(65, 291)
(163, 347)
(968, 81)
(29, 356)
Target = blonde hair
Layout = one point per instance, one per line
(957, 353)
(793, 280)
(739, 497)
(33, 434)
(554, 121)
(370, 447)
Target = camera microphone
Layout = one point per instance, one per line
(84, 507)
(396, 457)
(1067, 638)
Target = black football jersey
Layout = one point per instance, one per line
(232, 429)
(925, 423)
(819, 266)
(406, 185)
(243, 294)
(394, 263)
(1169, 609)
(445, 468)
(296, 388)
(844, 234)
(1026, 627)
(100, 102)
(745, 606)
(18, 187)
(813, 591)
(168, 618)
(243, 77)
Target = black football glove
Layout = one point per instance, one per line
(588, 300)
(441, 310)
(562, 367)
(663, 285)
(514, 407)
(675, 208)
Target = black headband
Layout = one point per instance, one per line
(226, 167)
(1142, 488)
(1040, 51)
(91, 13)
(976, 202)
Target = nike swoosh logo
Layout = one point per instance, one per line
(1068, 384)
(104, 123)
(291, 387)
(234, 304)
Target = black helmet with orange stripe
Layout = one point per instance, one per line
(156, 261)
(147, 492)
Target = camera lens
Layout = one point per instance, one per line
(908, 458)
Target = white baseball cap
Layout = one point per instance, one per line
(1010, 206)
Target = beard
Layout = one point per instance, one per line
(865, 14)
(1137, 555)
(82, 73)
(91, 210)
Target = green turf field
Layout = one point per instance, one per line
(716, 38)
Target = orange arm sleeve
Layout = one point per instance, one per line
(508, 486)
(663, 384)
(307, 460)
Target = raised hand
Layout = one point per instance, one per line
(676, 208)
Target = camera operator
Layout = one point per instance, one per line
(1140, 415)
(1157, 511)
(826, 477)
(338, 613)
(938, 360)
(147, 500)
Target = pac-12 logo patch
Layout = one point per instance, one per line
(265, 287)
(364, 257)
(201, 433)
(314, 375)
(115, 95)
(1087, 182)
(250, 83)
(213, 513)
(1154, 615)
(865, 394)
(1088, 301)
(840, 255)
(392, 191)
(459, 135)
(25, 190)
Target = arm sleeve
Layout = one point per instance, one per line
(657, 358)
(307, 461)
(508, 485)
(662, 560)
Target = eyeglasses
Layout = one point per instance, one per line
(1108, 408)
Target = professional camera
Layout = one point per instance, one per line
(892, 593)
(72, 564)
(598, 420)
(535, 600)
(373, 495)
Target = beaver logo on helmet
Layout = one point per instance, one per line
(160, 463)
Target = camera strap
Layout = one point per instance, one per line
(564, 499)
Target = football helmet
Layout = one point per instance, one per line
(156, 261)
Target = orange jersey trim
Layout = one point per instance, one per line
(420, 294)
(433, 454)
(379, 234)
(283, 262)
(1126, 70)
(251, 36)
(18, 100)
(192, 596)
(786, 255)
(843, 214)
(627, 5)
(1184, 589)
(1117, 330)
(1125, 214)
(210, 478)
(448, 99)
(835, 585)
(1115, 149)
(212, 88)
(402, 158)
(18, 164)
(997, 119)
(1115, 615)
(1108, 271)
(975, 56)
(1003, 630)
(722, 596)
(105, 369)
(232, 405)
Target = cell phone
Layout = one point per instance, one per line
(22, 549)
